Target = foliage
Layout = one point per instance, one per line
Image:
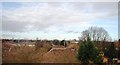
(63, 42)
(111, 52)
(56, 42)
(88, 52)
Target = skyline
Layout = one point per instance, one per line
(57, 20)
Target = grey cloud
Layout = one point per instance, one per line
(12, 25)
(71, 31)
(35, 18)
(105, 6)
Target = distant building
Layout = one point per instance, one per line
(74, 42)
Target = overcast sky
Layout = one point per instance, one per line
(57, 20)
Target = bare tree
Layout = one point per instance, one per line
(95, 34)
(38, 44)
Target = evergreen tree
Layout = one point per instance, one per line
(87, 52)
(63, 42)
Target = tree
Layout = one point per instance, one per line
(38, 44)
(111, 52)
(95, 34)
(63, 42)
(88, 52)
(56, 42)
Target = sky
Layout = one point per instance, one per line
(60, 0)
(57, 20)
